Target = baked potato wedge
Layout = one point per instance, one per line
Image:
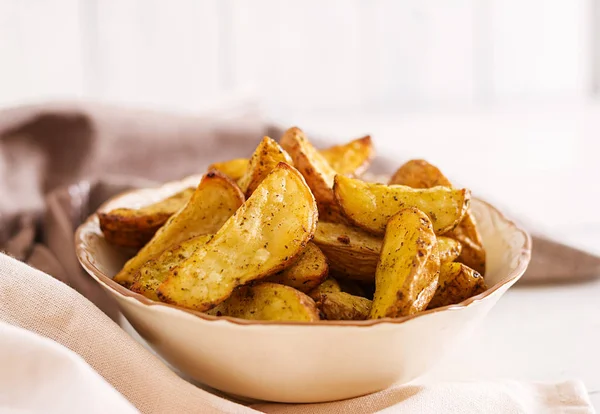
(263, 237)
(352, 158)
(234, 169)
(352, 253)
(316, 170)
(457, 283)
(155, 271)
(129, 227)
(449, 249)
(329, 285)
(215, 199)
(342, 306)
(472, 252)
(421, 174)
(306, 273)
(268, 302)
(370, 206)
(266, 157)
(408, 268)
(127, 238)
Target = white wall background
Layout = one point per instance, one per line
(311, 55)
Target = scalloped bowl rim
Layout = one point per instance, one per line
(91, 225)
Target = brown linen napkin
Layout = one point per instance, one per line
(37, 302)
(44, 151)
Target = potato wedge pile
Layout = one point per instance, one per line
(292, 233)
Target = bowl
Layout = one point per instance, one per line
(301, 362)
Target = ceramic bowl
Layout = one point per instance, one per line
(302, 362)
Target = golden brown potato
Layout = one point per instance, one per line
(268, 302)
(130, 227)
(473, 252)
(155, 271)
(352, 158)
(408, 266)
(126, 238)
(423, 298)
(343, 306)
(329, 285)
(370, 206)
(307, 272)
(351, 252)
(457, 283)
(263, 237)
(266, 157)
(449, 249)
(316, 171)
(213, 202)
(421, 174)
(234, 169)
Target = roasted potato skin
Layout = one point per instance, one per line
(307, 272)
(264, 159)
(421, 174)
(264, 236)
(352, 158)
(128, 227)
(449, 249)
(472, 252)
(316, 170)
(234, 169)
(370, 206)
(457, 282)
(156, 270)
(329, 285)
(129, 239)
(215, 199)
(268, 302)
(408, 266)
(342, 306)
(352, 253)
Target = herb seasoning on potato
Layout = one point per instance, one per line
(293, 234)
(263, 237)
(421, 174)
(408, 267)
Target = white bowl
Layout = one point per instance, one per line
(303, 362)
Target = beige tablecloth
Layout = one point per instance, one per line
(56, 165)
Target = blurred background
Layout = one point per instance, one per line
(367, 56)
(500, 93)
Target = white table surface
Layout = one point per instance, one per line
(542, 165)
